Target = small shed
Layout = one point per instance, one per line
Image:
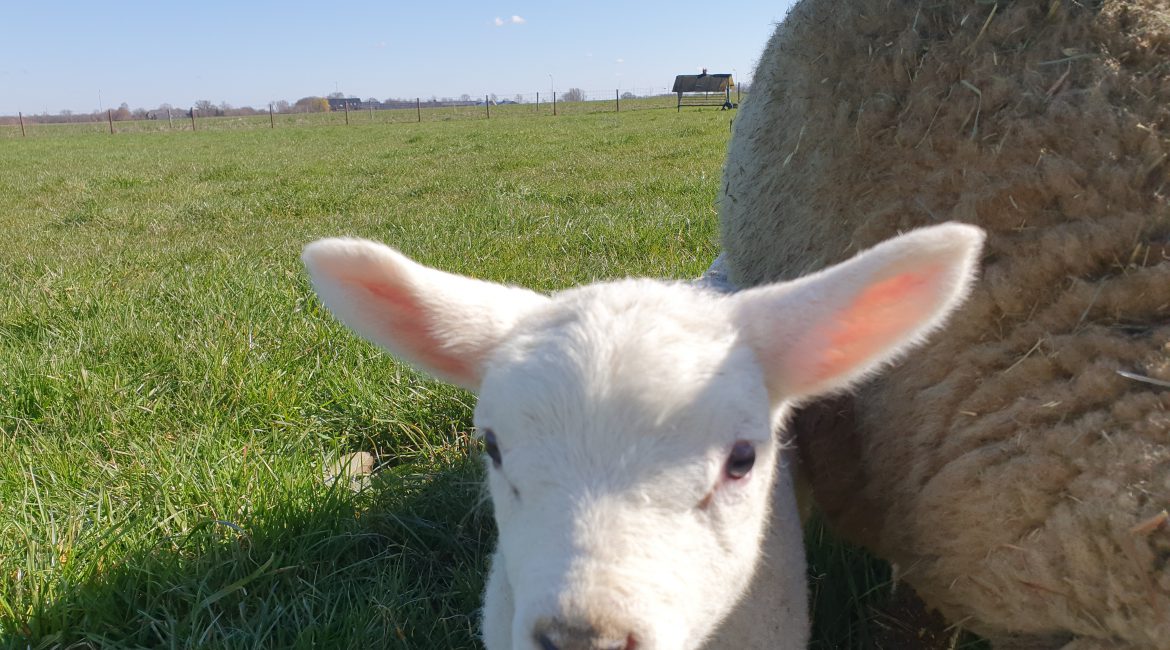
(704, 90)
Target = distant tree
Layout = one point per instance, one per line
(312, 105)
(281, 106)
(205, 108)
(519, 99)
(465, 97)
(629, 95)
(122, 112)
(372, 100)
(335, 96)
(494, 98)
(573, 95)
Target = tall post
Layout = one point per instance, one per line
(487, 104)
(617, 100)
(538, 102)
(418, 108)
(271, 118)
(20, 116)
(110, 117)
(345, 103)
(192, 119)
(554, 102)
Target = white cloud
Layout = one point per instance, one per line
(514, 20)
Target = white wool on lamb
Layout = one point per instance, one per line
(1016, 476)
(630, 427)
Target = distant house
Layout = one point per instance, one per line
(704, 90)
(341, 103)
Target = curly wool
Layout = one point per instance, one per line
(1015, 477)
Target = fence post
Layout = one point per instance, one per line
(345, 103)
(554, 102)
(538, 102)
(418, 107)
(487, 103)
(170, 122)
(110, 117)
(20, 116)
(617, 101)
(271, 118)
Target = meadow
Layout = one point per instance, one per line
(172, 394)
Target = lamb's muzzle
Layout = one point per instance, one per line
(555, 634)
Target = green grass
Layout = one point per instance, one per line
(171, 391)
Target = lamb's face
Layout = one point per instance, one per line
(630, 459)
(629, 423)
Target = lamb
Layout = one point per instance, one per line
(636, 480)
(1032, 439)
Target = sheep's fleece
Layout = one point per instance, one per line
(1019, 482)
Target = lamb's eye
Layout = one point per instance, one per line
(493, 449)
(740, 460)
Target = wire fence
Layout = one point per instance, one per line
(356, 111)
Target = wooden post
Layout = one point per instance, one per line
(538, 102)
(554, 102)
(192, 119)
(271, 118)
(418, 107)
(110, 117)
(20, 116)
(345, 103)
(617, 101)
(487, 104)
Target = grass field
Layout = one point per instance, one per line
(171, 392)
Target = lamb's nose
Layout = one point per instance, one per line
(557, 635)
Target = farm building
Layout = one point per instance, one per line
(704, 90)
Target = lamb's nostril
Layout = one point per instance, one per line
(555, 635)
(545, 642)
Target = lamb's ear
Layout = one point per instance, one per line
(444, 324)
(823, 332)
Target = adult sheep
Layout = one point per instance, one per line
(1017, 469)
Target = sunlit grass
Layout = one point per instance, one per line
(171, 392)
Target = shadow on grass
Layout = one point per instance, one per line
(399, 565)
(855, 606)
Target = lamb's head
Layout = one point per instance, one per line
(629, 426)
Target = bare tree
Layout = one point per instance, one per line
(573, 95)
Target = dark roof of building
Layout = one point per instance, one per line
(702, 83)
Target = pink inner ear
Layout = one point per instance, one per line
(410, 326)
(877, 319)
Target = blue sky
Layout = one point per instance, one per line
(62, 55)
